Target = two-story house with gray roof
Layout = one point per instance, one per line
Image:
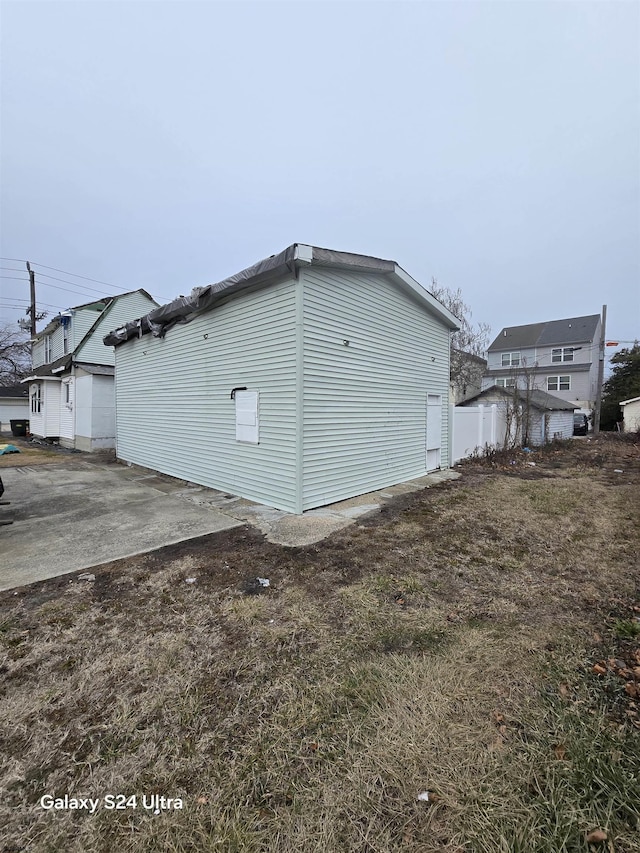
(71, 387)
(559, 357)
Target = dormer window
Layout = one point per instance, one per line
(47, 348)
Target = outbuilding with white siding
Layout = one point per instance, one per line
(631, 414)
(532, 416)
(311, 377)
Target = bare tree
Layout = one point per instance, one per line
(517, 405)
(15, 354)
(468, 344)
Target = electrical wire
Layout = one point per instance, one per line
(64, 272)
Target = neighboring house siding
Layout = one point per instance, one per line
(13, 409)
(103, 412)
(83, 403)
(631, 413)
(527, 356)
(122, 310)
(81, 321)
(37, 354)
(66, 409)
(580, 384)
(365, 403)
(173, 407)
(545, 426)
(46, 423)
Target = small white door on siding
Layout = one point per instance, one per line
(434, 430)
(66, 409)
(247, 424)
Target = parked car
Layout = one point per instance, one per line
(580, 424)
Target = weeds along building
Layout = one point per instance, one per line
(311, 377)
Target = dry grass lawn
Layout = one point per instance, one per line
(446, 645)
(30, 454)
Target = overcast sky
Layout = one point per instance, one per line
(164, 145)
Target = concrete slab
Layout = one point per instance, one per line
(78, 513)
(284, 528)
(73, 515)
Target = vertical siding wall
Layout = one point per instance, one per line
(365, 403)
(173, 407)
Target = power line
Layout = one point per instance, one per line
(77, 275)
(84, 287)
(65, 272)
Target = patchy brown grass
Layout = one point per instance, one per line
(445, 645)
(30, 454)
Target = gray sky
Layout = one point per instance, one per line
(495, 146)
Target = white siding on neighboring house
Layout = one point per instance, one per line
(174, 408)
(37, 353)
(81, 321)
(94, 412)
(83, 391)
(365, 401)
(45, 423)
(13, 409)
(125, 308)
(103, 419)
(631, 415)
(66, 410)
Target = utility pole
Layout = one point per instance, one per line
(32, 309)
(596, 414)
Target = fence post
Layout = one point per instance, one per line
(494, 425)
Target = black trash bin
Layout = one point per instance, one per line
(19, 427)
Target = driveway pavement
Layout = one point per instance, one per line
(73, 515)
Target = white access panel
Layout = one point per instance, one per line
(247, 421)
(434, 431)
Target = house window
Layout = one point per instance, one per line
(67, 392)
(505, 383)
(36, 400)
(65, 338)
(47, 349)
(562, 354)
(510, 359)
(558, 383)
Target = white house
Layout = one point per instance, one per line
(631, 414)
(311, 377)
(71, 396)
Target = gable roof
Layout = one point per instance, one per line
(573, 330)
(265, 272)
(101, 303)
(538, 399)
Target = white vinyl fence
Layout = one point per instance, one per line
(475, 428)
